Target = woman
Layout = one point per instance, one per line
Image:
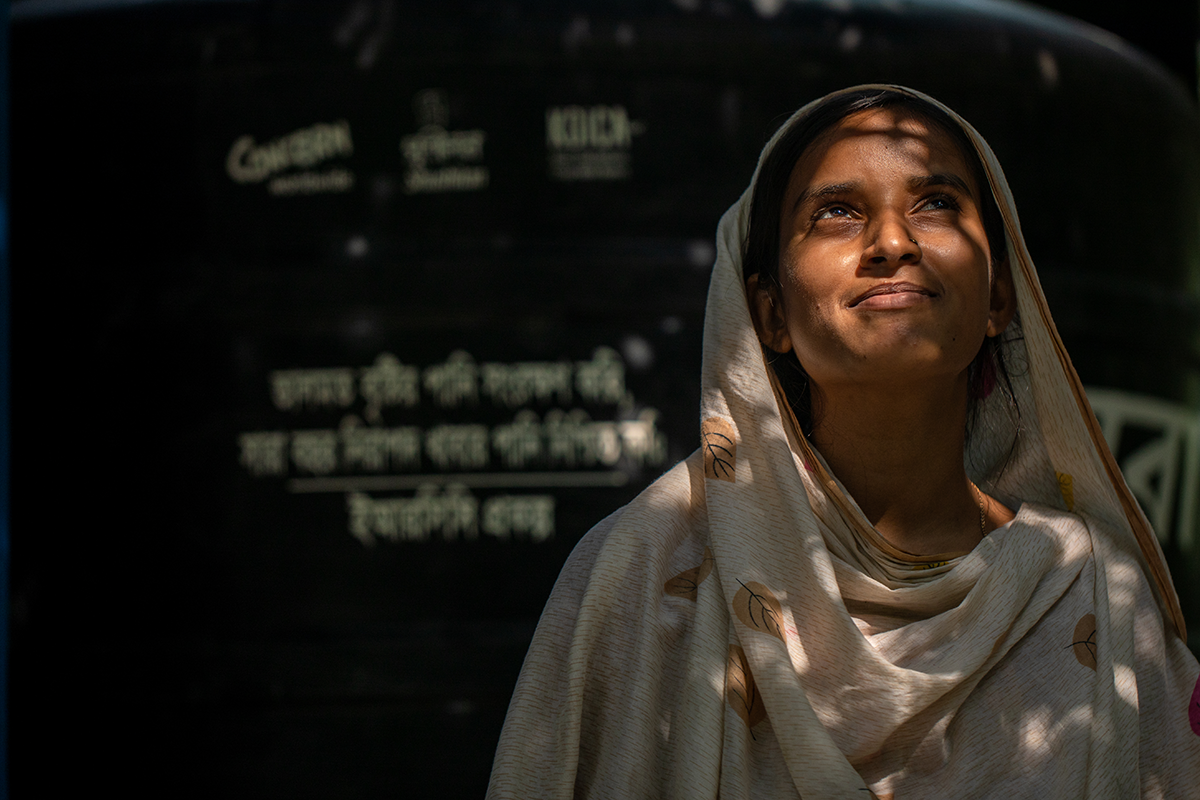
(903, 563)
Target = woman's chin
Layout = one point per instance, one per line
(902, 366)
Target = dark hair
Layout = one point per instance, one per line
(761, 256)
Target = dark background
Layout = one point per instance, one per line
(181, 626)
(1167, 31)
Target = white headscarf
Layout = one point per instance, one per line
(741, 630)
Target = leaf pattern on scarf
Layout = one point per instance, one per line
(687, 583)
(720, 449)
(758, 609)
(1066, 486)
(1083, 643)
(740, 690)
(1194, 709)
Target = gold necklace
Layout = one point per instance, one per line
(982, 512)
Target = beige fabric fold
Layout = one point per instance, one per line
(741, 631)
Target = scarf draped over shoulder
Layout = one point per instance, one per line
(741, 631)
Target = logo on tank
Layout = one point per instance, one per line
(590, 143)
(439, 159)
(297, 163)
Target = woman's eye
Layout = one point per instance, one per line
(940, 203)
(832, 212)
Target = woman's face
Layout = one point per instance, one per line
(884, 263)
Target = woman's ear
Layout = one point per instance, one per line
(766, 310)
(1003, 301)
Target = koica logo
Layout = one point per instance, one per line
(590, 143)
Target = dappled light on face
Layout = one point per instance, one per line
(884, 263)
(908, 136)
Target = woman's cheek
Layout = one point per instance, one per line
(816, 340)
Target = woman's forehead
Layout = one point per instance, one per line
(879, 138)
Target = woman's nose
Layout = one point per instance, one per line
(890, 243)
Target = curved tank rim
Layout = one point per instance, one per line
(1015, 13)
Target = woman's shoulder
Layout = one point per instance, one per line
(1045, 516)
(655, 523)
(1119, 572)
(1053, 531)
(1106, 541)
(612, 623)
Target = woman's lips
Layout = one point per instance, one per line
(892, 295)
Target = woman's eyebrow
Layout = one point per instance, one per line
(821, 192)
(940, 179)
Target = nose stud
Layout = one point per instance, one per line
(914, 241)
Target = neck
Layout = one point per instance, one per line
(898, 450)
